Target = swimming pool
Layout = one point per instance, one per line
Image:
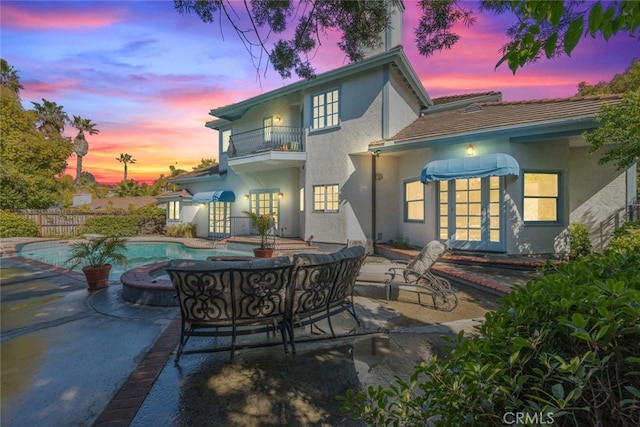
(137, 253)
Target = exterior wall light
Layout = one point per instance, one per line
(376, 153)
(280, 195)
(246, 197)
(471, 150)
(277, 120)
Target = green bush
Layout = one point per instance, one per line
(401, 242)
(579, 243)
(180, 230)
(16, 225)
(565, 348)
(146, 220)
(626, 238)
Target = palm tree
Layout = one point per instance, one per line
(51, 117)
(80, 144)
(125, 158)
(9, 77)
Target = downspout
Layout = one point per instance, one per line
(374, 156)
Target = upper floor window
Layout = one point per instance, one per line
(173, 210)
(541, 197)
(326, 109)
(326, 198)
(413, 201)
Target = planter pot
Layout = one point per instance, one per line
(97, 277)
(263, 252)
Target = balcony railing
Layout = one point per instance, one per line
(274, 138)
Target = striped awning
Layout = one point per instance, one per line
(497, 164)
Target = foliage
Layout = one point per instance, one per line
(29, 160)
(16, 225)
(551, 28)
(51, 118)
(97, 252)
(620, 126)
(620, 83)
(80, 144)
(565, 345)
(9, 77)
(548, 28)
(180, 230)
(401, 242)
(129, 188)
(262, 223)
(626, 238)
(579, 243)
(205, 163)
(146, 220)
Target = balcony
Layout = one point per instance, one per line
(264, 149)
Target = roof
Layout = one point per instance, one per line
(197, 174)
(395, 57)
(463, 97)
(515, 118)
(174, 195)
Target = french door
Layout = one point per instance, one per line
(266, 202)
(219, 219)
(470, 213)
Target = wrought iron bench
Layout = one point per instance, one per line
(231, 298)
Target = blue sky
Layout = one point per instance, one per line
(148, 76)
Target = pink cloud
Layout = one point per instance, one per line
(23, 16)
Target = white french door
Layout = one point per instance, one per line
(470, 213)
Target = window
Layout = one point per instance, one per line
(443, 202)
(174, 210)
(541, 197)
(265, 202)
(413, 201)
(326, 109)
(325, 198)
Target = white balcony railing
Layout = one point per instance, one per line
(279, 138)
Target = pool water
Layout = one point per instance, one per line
(56, 253)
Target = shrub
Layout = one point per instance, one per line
(564, 347)
(579, 243)
(16, 225)
(146, 220)
(401, 242)
(626, 238)
(180, 230)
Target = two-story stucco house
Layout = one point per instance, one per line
(363, 153)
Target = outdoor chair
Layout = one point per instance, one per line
(416, 275)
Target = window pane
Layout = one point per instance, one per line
(475, 209)
(415, 211)
(444, 223)
(537, 209)
(494, 196)
(474, 196)
(462, 209)
(474, 183)
(414, 190)
(540, 184)
(462, 234)
(495, 235)
(475, 235)
(462, 196)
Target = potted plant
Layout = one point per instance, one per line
(262, 223)
(96, 257)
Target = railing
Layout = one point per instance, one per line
(615, 221)
(274, 138)
(240, 226)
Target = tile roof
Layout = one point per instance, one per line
(495, 115)
(455, 98)
(211, 170)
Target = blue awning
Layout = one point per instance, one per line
(214, 196)
(498, 164)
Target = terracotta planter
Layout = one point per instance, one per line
(263, 252)
(97, 277)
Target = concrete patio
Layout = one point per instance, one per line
(70, 357)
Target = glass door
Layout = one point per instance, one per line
(470, 215)
(219, 219)
(266, 202)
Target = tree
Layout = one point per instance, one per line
(620, 128)
(50, 117)
(550, 28)
(205, 163)
(80, 144)
(128, 188)
(125, 159)
(9, 77)
(29, 160)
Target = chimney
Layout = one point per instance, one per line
(392, 36)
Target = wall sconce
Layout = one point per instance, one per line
(280, 195)
(277, 120)
(246, 197)
(471, 150)
(376, 153)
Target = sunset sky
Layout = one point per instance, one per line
(148, 76)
